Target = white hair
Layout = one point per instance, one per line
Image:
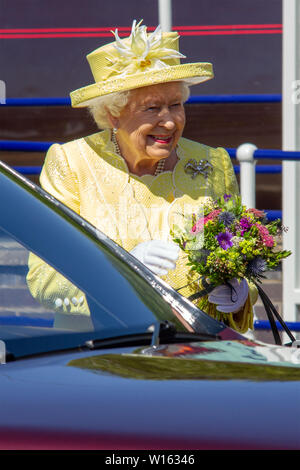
(115, 102)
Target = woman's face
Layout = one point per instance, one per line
(151, 123)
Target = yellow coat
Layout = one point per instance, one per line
(89, 177)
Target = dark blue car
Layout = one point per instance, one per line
(147, 370)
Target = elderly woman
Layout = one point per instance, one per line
(129, 180)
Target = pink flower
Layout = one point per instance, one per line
(198, 226)
(258, 213)
(213, 214)
(265, 236)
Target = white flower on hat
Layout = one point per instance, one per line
(142, 51)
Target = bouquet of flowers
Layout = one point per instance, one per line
(227, 240)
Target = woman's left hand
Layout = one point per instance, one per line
(230, 299)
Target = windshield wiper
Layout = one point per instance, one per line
(158, 333)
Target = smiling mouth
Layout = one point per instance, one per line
(161, 139)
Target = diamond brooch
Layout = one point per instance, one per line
(194, 168)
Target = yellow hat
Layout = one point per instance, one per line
(139, 60)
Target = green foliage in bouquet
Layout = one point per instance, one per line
(227, 240)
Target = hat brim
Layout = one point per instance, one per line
(192, 74)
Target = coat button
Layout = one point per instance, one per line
(58, 303)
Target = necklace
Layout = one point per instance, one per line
(160, 165)
(115, 142)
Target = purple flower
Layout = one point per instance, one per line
(245, 224)
(227, 197)
(224, 239)
(226, 218)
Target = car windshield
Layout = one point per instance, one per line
(62, 282)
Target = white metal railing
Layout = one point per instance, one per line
(165, 14)
(245, 156)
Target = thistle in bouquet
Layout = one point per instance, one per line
(227, 240)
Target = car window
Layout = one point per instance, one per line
(38, 303)
(22, 306)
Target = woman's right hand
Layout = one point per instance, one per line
(158, 255)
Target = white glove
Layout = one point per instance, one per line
(227, 299)
(157, 255)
